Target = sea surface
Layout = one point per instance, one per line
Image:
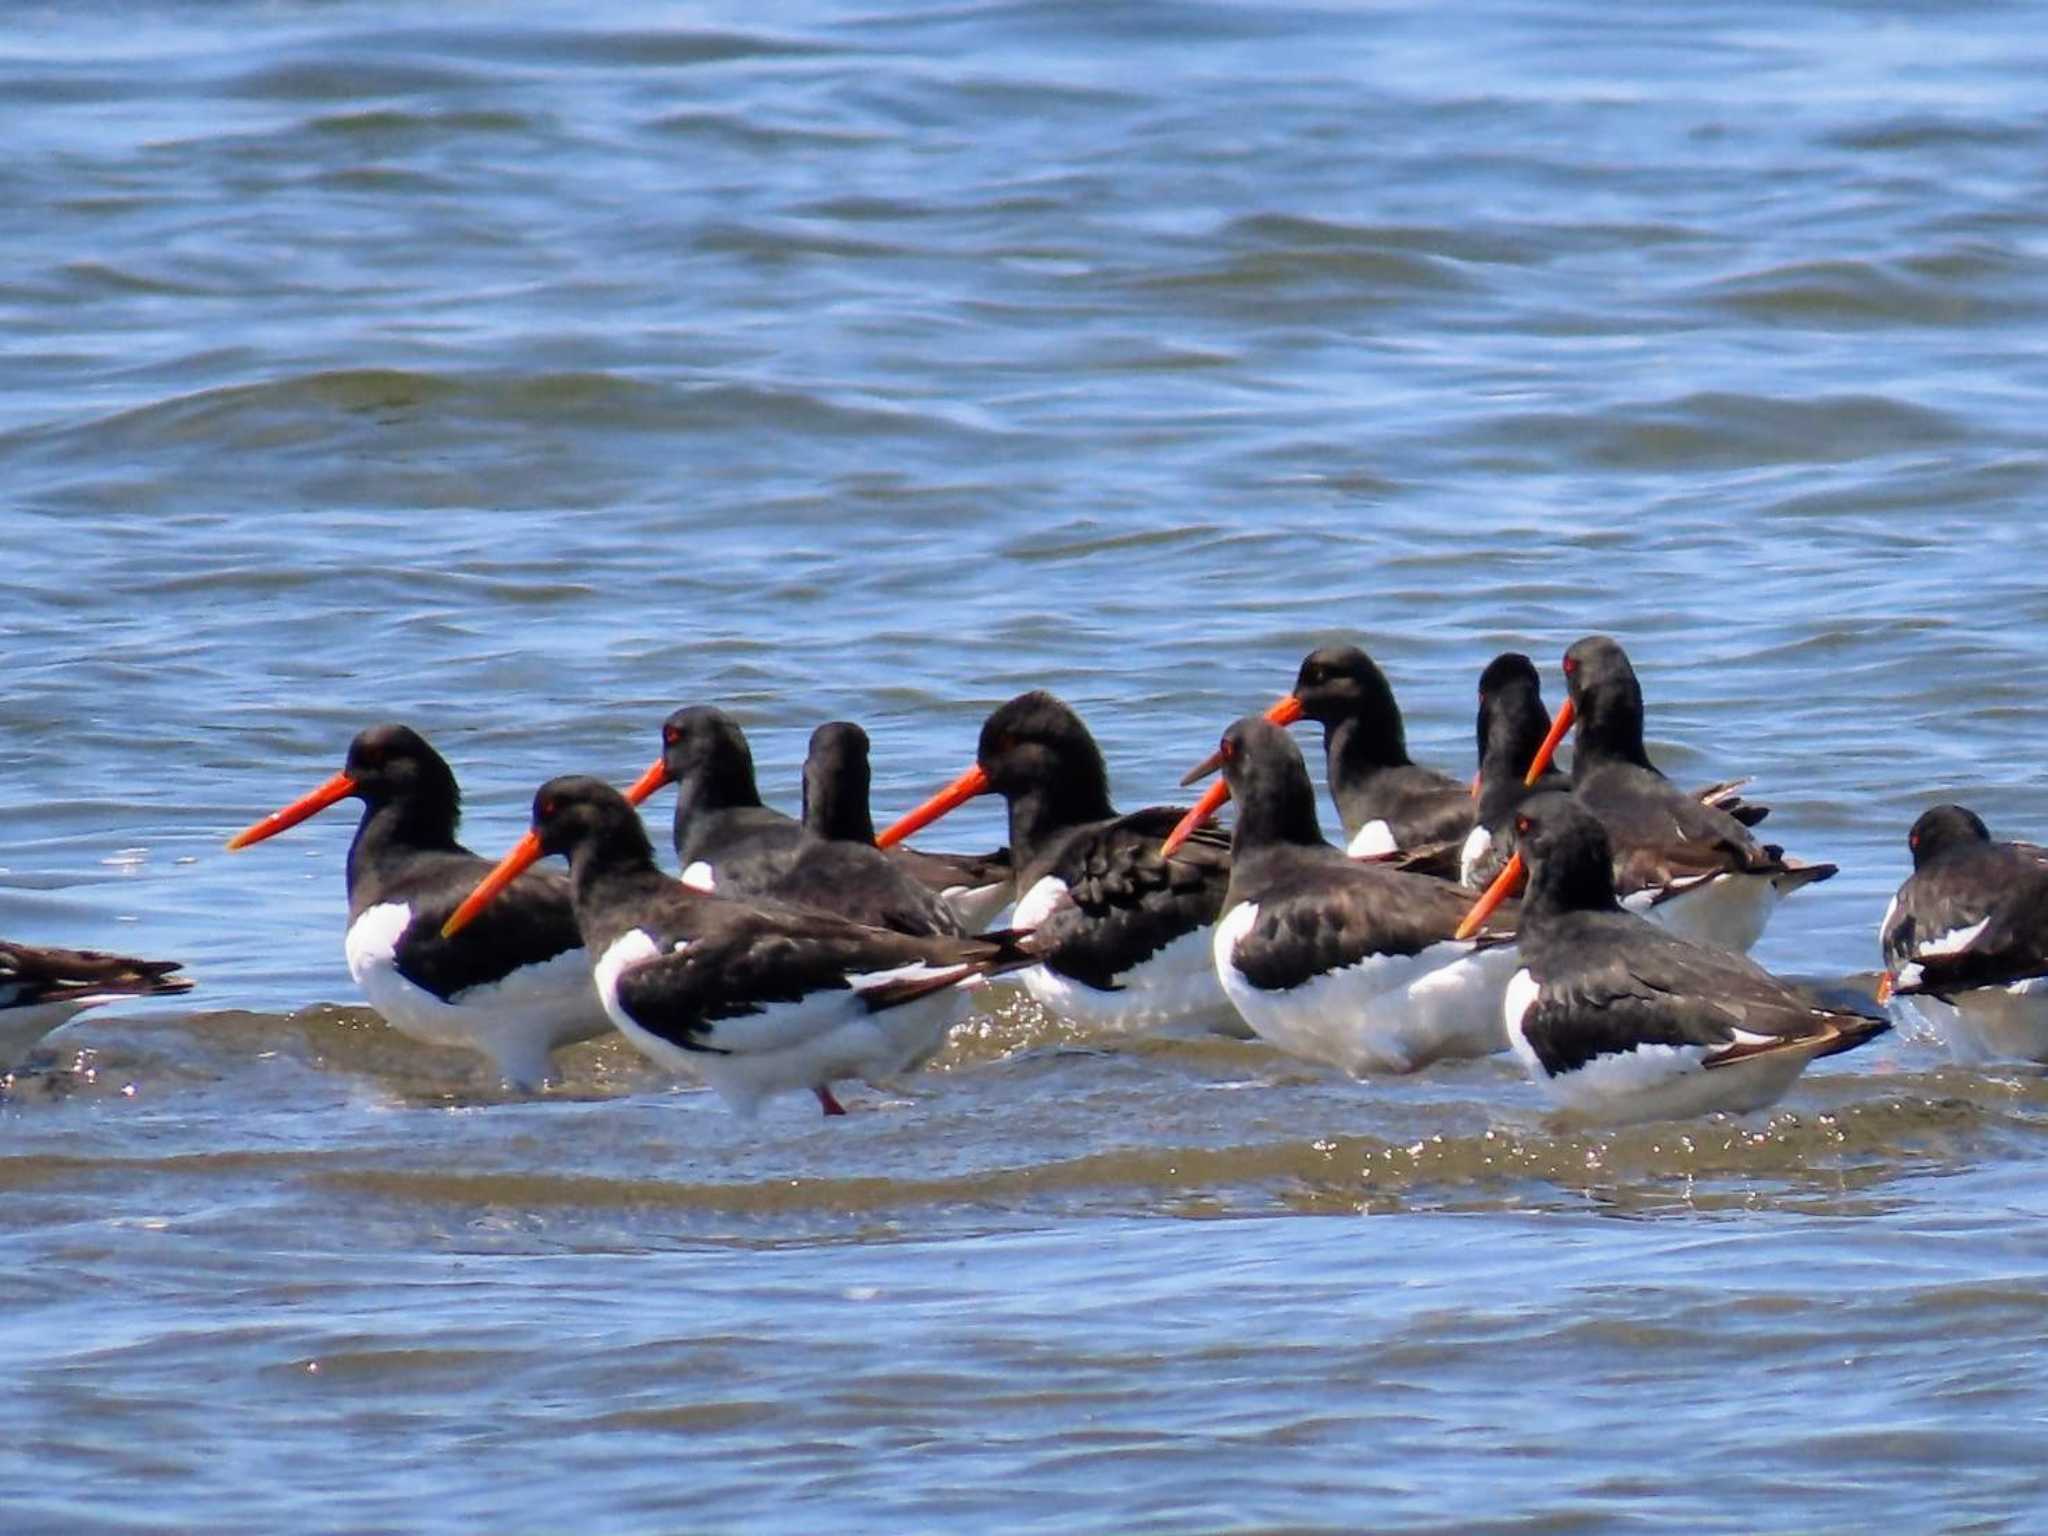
(523, 371)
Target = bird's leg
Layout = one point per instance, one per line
(830, 1105)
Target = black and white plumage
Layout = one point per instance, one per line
(1121, 931)
(1511, 726)
(1621, 1020)
(1386, 800)
(727, 841)
(42, 989)
(513, 988)
(1966, 938)
(1337, 960)
(755, 998)
(837, 785)
(1690, 865)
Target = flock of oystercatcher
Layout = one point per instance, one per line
(1595, 922)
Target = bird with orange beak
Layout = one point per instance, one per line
(1682, 860)
(1121, 930)
(1335, 959)
(756, 999)
(514, 988)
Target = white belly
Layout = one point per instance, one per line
(1989, 1024)
(1725, 911)
(1374, 840)
(1175, 992)
(788, 1047)
(21, 1029)
(1390, 1013)
(977, 906)
(1651, 1082)
(516, 1022)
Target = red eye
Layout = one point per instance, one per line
(1521, 824)
(669, 735)
(1571, 665)
(1226, 749)
(1913, 840)
(548, 807)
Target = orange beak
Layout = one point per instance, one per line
(1885, 984)
(649, 782)
(1505, 884)
(1478, 782)
(1204, 808)
(1285, 711)
(524, 855)
(1567, 715)
(340, 787)
(956, 794)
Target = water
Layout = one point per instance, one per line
(523, 372)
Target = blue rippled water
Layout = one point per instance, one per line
(524, 371)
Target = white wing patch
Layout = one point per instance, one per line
(1477, 845)
(1039, 903)
(700, 876)
(1374, 840)
(1955, 941)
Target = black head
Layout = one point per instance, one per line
(701, 746)
(1608, 699)
(1341, 682)
(1270, 783)
(575, 813)
(1037, 742)
(1508, 669)
(1942, 828)
(1512, 720)
(1571, 862)
(394, 763)
(837, 780)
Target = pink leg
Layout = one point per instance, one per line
(830, 1105)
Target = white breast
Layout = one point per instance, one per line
(1374, 840)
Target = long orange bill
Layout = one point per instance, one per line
(1885, 985)
(1478, 783)
(956, 794)
(1285, 711)
(524, 855)
(340, 787)
(1567, 714)
(1504, 885)
(648, 782)
(1204, 808)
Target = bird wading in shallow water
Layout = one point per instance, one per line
(1339, 960)
(1620, 1020)
(1966, 938)
(1120, 930)
(1691, 866)
(728, 842)
(755, 998)
(513, 988)
(43, 989)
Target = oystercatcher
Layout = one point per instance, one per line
(1342, 961)
(728, 842)
(42, 989)
(1120, 929)
(723, 833)
(755, 999)
(1388, 804)
(1511, 727)
(1968, 932)
(513, 988)
(1621, 1020)
(1690, 865)
(837, 779)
